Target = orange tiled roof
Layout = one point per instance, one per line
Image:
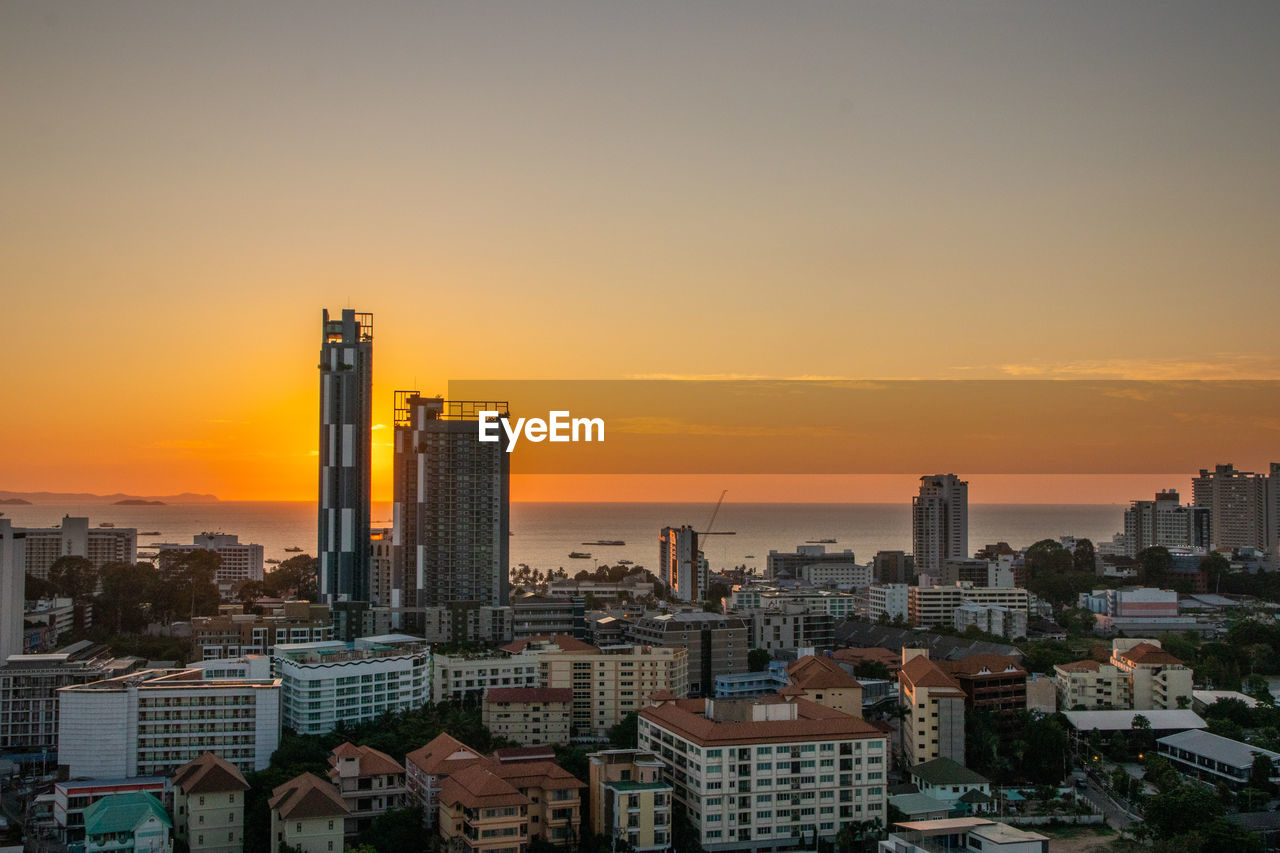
(307, 796)
(478, 787)
(536, 774)
(1147, 653)
(372, 762)
(209, 774)
(443, 754)
(975, 664)
(685, 716)
(564, 641)
(922, 672)
(1080, 666)
(811, 672)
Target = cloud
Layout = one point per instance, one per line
(1219, 366)
(673, 426)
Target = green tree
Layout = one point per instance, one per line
(294, 577)
(126, 595)
(397, 830)
(1215, 568)
(758, 660)
(1181, 811)
(872, 669)
(1154, 566)
(248, 592)
(185, 584)
(1261, 772)
(626, 733)
(1085, 556)
(35, 589)
(73, 577)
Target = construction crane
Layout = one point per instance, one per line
(712, 522)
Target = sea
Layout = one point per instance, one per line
(543, 534)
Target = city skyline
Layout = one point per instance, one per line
(979, 190)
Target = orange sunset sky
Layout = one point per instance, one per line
(577, 190)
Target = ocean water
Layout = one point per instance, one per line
(543, 534)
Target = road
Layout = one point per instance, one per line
(1116, 817)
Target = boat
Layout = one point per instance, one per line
(624, 563)
(149, 533)
(750, 556)
(579, 555)
(819, 541)
(606, 542)
(294, 550)
(105, 524)
(273, 561)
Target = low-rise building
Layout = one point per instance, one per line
(542, 615)
(745, 685)
(812, 558)
(1214, 759)
(928, 606)
(325, 684)
(128, 822)
(464, 677)
(1157, 680)
(993, 682)
(307, 814)
(769, 772)
(822, 680)
(791, 628)
(208, 805)
(528, 715)
(850, 658)
(237, 562)
(230, 635)
(610, 683)
(954, 784)
(71, 799)
(1010, 623)
(370, 783)
(500, 805)
(151, 722)
(630, 801)
(428, 766)
(966, 833)
(1088, 685)
(888, 601)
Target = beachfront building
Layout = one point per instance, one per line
(325, 684)
(75, 538)
(754, 774)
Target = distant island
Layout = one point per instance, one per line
(13, 498)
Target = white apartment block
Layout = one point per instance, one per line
(991, 619)
(935, 605)
(324, 684)
(151, 722)
(887, 599)
(12, 585)
(767, 773)
(75, 538)
(612, 682)
(239, 562)
(466, 677)
(845, 576)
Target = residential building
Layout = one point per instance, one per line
(934, 727)
(1087, 685)
(1164, 521)
(610, 683)
(680, 564)
(57, 617)
(791, 628)
(1133, 609)
(812, 564)
(128, 822)
(383, 595)
(716, 644)
(462, 622)
(888, 601)
(753, 774)
(555, 796)
(464, 677)
(990, 619)
(531, 716)
(630, 801)
(850, 658)
(993, 682)
(12, 588)
(745, 685)
(208, 805)
(428, 766)
(72, 799)
(928, 606)
(237, 562)
(370, 784)
(233, 635)
(1215, 759)
(452, 500)
(308, 815)
(1156, 679)
(539, 615)
(940, 522)
(968, 833)
(822, 680)
(325, 684)
(42, 546)
(1042, 693)
(29, 692)
(954, 784)
(893, 567)
(1242, 506)
(493, 805)
(151, 722)
(634, 585)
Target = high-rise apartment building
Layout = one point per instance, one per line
(680, 562)
(12, 588)
(346, 428)
(1164, 521)
(75, 538)
(452, 511)
(935, 726)
(717, 644)
(940, 522)
(1244, 507)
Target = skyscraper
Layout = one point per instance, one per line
(346, 424)
(940, 522)
(1164, 521)
(452, 511)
